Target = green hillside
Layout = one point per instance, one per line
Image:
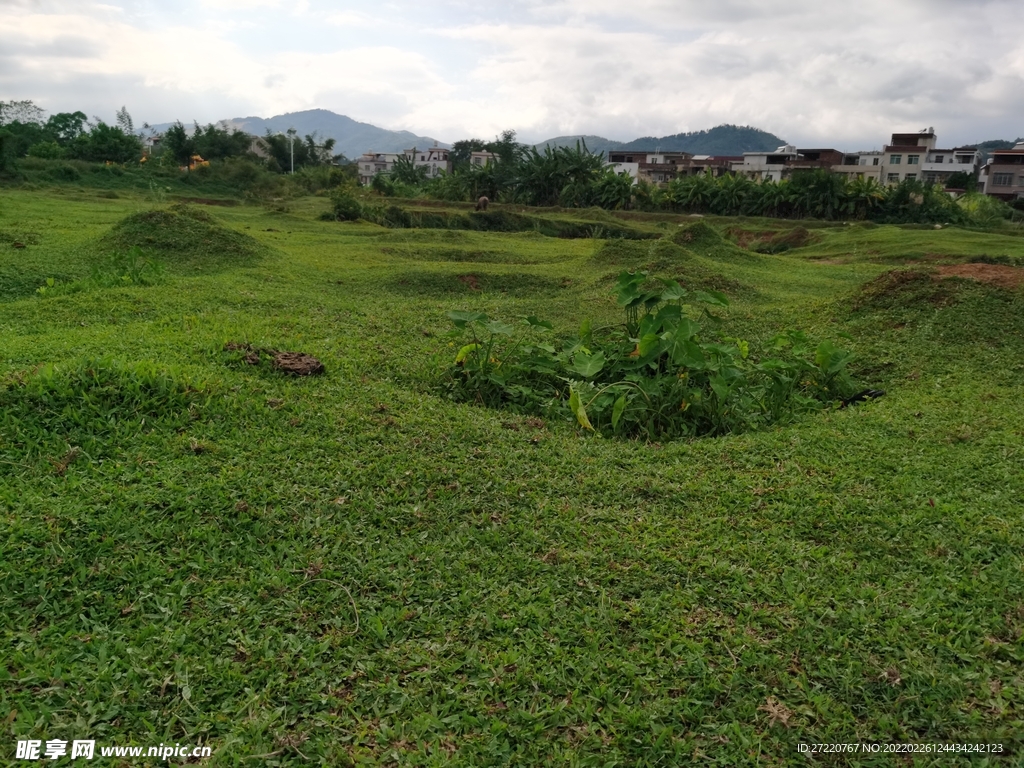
(720, 140)
(367, 567)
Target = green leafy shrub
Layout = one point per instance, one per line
(345, 207)
(663, 373)
(64, 173)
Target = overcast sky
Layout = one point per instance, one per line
(842, 73)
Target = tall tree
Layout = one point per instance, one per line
(20, 112)
(124, 121)
(179, 144)
(66, 126)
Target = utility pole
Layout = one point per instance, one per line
(291, 146)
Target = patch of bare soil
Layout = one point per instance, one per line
(993, 274)
(749, 239)
(295, 363)
(471, 281)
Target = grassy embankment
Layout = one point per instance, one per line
(349, 569)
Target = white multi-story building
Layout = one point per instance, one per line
(860, 165)
(901, 158)
(435, 160)
(915, 156)
(766, 166)
(480, 159)
(371, 163)
(939, 164)
(1003, 175)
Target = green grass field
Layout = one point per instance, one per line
(350, 569)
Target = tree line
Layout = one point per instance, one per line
(574, 177)
(25, 131)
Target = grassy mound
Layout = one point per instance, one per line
(477, 256)
(703, 239)
(665, 257)
(699, 236)
(423, 236)
(396, 217)
(942, 308)
(87, 404)
(185, 237)
(622, 253)
(433, 284)
(905, 289)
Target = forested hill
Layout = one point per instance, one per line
(720, 140)
(351, 136)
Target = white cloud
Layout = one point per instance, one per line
(812, 72)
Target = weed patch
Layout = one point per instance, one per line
(119, 271)
(664, 374)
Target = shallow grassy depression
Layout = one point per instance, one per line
(350, 569)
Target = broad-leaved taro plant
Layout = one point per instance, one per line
(662, 373)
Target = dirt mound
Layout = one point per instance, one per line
(184, 236)
(786, 240)
(903, 288)
(698, 236)
(295, 363)
(998, 275)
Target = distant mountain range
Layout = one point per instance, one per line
(720, 140)
(351, 137)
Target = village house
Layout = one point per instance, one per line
(915, 156)
(784, 161)
(1003, 174)
(715, 165)
(480, 159)
(435, 160)
(860, 165)
(653, 167)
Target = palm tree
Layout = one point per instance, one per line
(866, 196)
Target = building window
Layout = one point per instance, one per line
(912, 159)
(911, 176)
(893, 177)
(940, 158)
(1020, 181)
(874, 161)
(895, 159)
(1002, 179)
